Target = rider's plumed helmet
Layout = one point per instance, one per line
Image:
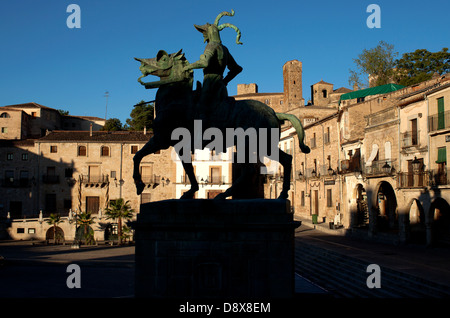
(211, 31)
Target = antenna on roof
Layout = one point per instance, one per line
(106, 109)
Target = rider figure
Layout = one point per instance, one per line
(213, 61)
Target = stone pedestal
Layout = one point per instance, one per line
(215, 249)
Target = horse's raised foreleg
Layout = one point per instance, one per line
(286, 161)
(150, 147)
(189, 169)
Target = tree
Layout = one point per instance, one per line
(112, 124)
(63, 112)
(377, 63)
(420, 65)
(141, 116)
(84, 220)
(54, 220)
(119, 209)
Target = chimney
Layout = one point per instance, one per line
(90, 130)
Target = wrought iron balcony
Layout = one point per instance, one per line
(15, 183)
(439, 121)
(410, 139)
(381, 167)
(439, 177)
(50, 179)
(418, 179)
(94, 179)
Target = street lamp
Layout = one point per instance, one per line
(386, 168)
(416, 164)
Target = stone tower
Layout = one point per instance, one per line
(292, 76)
(320, 93)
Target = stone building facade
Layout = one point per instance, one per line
(71, 171)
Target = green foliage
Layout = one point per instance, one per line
(378, 62)
(420, 65)
(141, 116)
(84, 220)
(120, 209)
(63, 112)
(411, 68)
(112, 124)
(55, 219)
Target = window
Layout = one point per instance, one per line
(23, 178)
(50, 203)
(215, 175)
(33, 114)
(313, 141)
(20, 230)
(67, 204)
(82, 151)
(147, 174)
(92, 204)
(53, 149)
(441, 113)
(414, 131)
(326, 136)
(4, 130)
(324, 93)
(442, 155)
(24, 156)
(329, 198)
(5, 115)
(105, 151)
(134, 149)
(9, 177)
(9, 156)
(302, 198)
(68, 172)
(31, 230)
(113, 175)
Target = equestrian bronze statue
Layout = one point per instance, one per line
(179, 107)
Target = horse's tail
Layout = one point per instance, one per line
(298, 128)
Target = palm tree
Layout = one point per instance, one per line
(119, 209)
(54, 220)
(84, 219)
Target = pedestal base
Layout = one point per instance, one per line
(215, 249)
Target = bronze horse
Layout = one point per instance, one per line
(175, 103)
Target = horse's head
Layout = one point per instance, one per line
(168, 67)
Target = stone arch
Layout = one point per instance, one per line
(50, 235)
(361, 208)
(384, 207)
(416, 221)
(440, 217)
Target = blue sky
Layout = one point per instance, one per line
(43, 61)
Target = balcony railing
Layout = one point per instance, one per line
(410, 139)
(50, 179)
(15, 183)
(380, 167)
(350, 165)
(439, 121)
(413, 179)
(439, 177)
(94, 178)
(151, 179)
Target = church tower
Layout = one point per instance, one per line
(292, 77)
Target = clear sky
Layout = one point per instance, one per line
(44, 61)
